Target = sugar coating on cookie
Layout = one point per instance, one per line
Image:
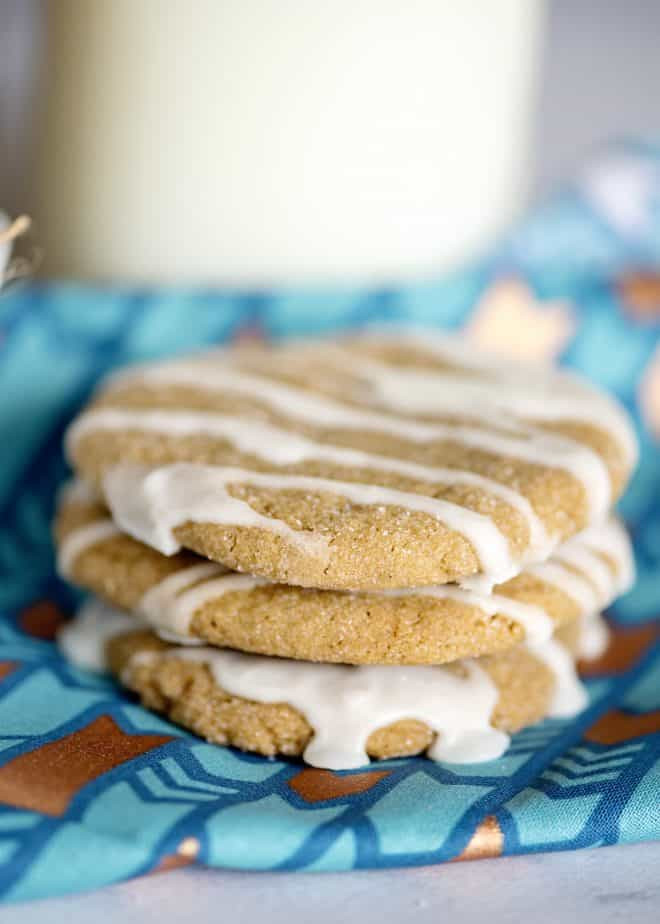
(184, 597)
(371, 463)
(459, 713)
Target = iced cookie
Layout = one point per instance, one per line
(373, 463)
(184, 595)
(458, 713)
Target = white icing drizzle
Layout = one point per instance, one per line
(534, 446)
(577, 587)
(593, 589)
(78, 539)
(612, 540)
(598, 583)
(281, 447)
(569, 696)
(590, 564)
(150, 503)
(175, 639)
(456, 350)
(170, 605)
(82, 640)
(515, 389)
(535, 621)
(345, 704)
(202, 375)
(594, 636)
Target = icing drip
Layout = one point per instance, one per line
(534, 446)
(591, 564)
(526, 395)
(170, 605)
(612, 540)
(594, 636)
(577, 587)
(345, 704)
(456, 350)
(150, 503)
(79, 539)
(82, 640)
(535, 621)
(609, 539)
(598, 584)
(282, 447)
(540, 392)
(569, 696)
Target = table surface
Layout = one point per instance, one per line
(607, 885)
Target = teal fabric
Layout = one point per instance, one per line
(75, 814)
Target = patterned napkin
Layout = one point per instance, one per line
(93, 789)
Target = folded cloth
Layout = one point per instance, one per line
(94, 789)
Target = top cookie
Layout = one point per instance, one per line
(373, 462)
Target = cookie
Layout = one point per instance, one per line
(183, 595)
(459, 713)
(373, 463)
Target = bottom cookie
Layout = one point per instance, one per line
(335, 716)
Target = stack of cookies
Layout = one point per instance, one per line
(379, 546)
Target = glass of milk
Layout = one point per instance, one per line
(266, 142)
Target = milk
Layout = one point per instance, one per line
(260, 142)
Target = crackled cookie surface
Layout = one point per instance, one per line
(458, 713)
(368, 463)
(186, 596)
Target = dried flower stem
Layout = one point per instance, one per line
(18, 227)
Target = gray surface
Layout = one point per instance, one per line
(594, 887)
(600, 79)
(21, 48)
